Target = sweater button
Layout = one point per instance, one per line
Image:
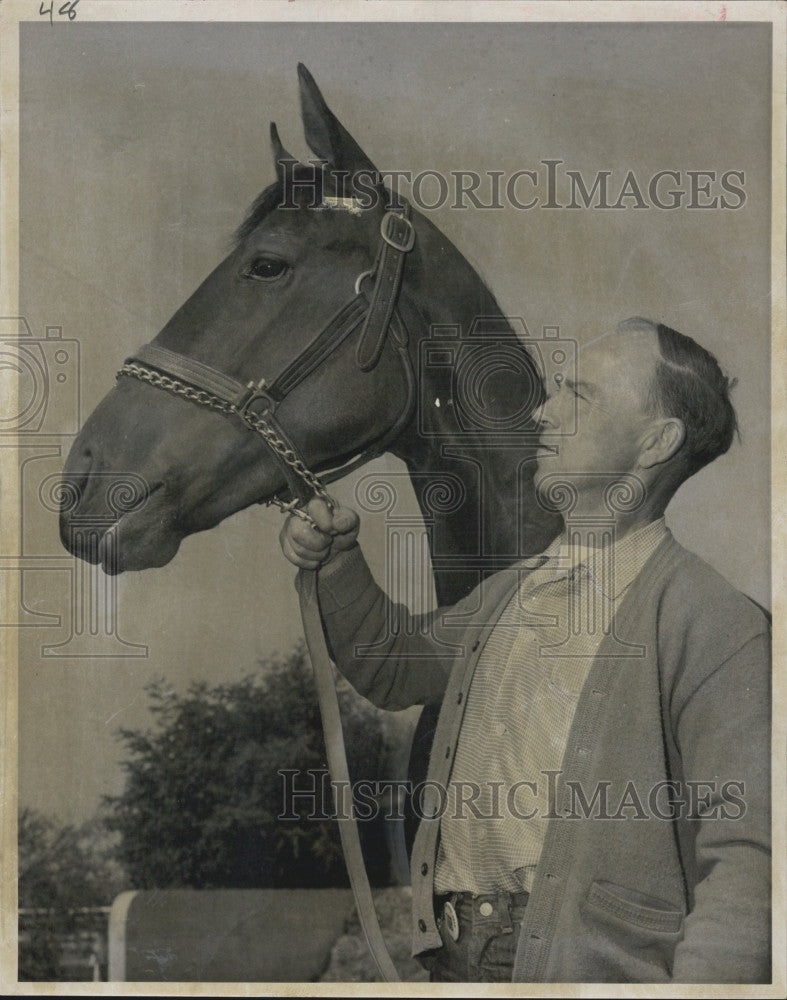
(424, 868)
(422, 926)
(430, 802)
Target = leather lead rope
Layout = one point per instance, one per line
(337, 765)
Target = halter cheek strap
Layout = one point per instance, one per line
(398, 239)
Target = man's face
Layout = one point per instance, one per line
(603, 397)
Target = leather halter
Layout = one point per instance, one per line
(256, 402)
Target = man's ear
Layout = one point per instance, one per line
(663, 439)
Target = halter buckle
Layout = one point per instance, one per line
(397, 231)
(255, 392)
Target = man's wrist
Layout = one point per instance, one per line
(336, 562)
(343, 580)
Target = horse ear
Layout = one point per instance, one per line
(279, 152)
(327, 137)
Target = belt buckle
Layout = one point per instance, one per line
(451, 920)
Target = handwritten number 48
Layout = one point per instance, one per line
(67, 9)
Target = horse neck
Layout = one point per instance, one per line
(476, 497)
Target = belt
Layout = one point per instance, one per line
(514, 898)
(457, 909)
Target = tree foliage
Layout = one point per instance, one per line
(204, 790)
(63, 869)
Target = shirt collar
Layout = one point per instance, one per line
(621, 562)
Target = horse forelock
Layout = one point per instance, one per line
(261, 207)
(307, 187)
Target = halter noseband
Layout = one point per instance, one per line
(255, 403)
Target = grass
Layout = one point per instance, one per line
(351, 961)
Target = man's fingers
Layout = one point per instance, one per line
(308, 546)
(310, 551)
(302, 533)
(303, 562)
(320, 513)
(345, 519)
(302, 544)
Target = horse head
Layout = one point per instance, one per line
(282, 312)
(308, 332)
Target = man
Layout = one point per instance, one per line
(600, 770)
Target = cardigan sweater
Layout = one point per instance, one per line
(656, 861)
(520, 707)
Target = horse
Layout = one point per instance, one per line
(337, 328)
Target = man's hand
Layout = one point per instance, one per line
(308, 547)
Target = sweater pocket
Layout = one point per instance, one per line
(631, 935)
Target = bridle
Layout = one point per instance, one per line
(256, 402)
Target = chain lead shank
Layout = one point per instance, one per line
(257, 423)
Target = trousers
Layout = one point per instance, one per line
(488, 934)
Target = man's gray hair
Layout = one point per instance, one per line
(689, 384)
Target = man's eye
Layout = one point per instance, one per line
(265, 269)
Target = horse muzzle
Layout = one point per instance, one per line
(108, 517)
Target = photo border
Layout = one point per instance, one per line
(12, 14)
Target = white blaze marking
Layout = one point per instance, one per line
(351, 205)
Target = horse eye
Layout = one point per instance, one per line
(265, 269)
